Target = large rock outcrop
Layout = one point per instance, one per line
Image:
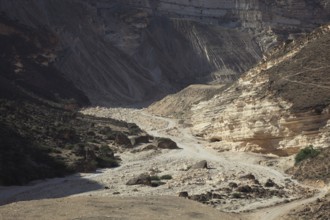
(277, 107)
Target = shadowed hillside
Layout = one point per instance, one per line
(128, 52)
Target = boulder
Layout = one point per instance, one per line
(200, 165)
(249, 176)
(216, 196)
(142, 179)
(122, 140)
(184, 194)
(136, 140)
(270, 183)
(244, 189)
(149, 147)
(166, 143)
(201, 198)
(232, 185)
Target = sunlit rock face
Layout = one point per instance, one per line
(279, 106)
(124, 52)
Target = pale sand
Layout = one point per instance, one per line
(102, 208)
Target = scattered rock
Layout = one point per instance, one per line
(166, 143)
(200, 198)
(149, 147)
(244, 189)
(233, 185)
(184, 194)
(270, 183)
(215, 139)
(116, 193)
(142, 179)
(216, 196)
(136, 140)
(200, 165)
(249, 176)
(122, 140)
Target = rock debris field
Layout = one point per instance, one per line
(228, 181)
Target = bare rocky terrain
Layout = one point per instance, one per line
(279, 106)
(247, 137)
(232, 182)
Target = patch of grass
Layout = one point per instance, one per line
(307, 152)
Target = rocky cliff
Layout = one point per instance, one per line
(279, 106)
(120, 52)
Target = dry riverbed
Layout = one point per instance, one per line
(236, 182)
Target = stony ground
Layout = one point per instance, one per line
(236, 181)
(253, 184)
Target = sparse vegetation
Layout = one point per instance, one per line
(307, 152)
(156, 183)
(236, 195)
(166, 177)
(45, 142)
(156, 178)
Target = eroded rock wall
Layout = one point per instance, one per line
(277, 107)
(123, 52)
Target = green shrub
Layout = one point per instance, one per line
(307, 152)
(156, 183)
(166, 177)
(236, 195)
(154, 178)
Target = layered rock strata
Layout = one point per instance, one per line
(121, 52)
(277, 107)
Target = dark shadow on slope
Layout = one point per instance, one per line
(21, 161)
(48, 189)
(27, 64)
(304, 80)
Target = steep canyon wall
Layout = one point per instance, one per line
(124, 52)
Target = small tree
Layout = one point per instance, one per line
(307, 152)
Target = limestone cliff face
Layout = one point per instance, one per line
(279, 106)
(120, 52)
